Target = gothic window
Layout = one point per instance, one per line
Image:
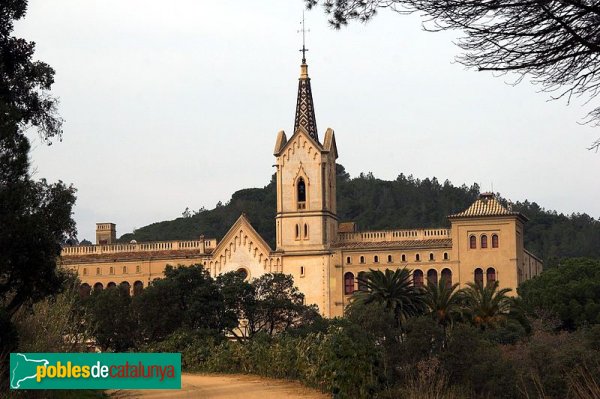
(446, 256)
(418, 278)
(362, 281)
(479, 276)
(305, 231)
(348, 283)
(417, 257)
(431, 256)
(491, 275)
(389, 258)
(484, 241)
(432, 277)
(301, 193)
(494, 240)
(297, 232)
(447, 277)
(376, 259)
(472, 242)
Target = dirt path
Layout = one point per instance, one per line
(227, 386)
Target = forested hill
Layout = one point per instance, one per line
(380, 204)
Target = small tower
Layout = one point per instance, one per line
(106, 233)
(306, 205)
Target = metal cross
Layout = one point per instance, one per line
(303, 30)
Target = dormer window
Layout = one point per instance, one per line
(301, 193)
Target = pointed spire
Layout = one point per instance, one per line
(305, 109)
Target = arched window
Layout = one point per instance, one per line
(302, 270)
(403, 258)
(124, 269)
(362, 259)
(85, 271)
(431, 256)
(112, 284)
(418, 278)
(494, 240)
(98, 287)
(348, 283)
(432, 276)
(138, 286)
(446, 256)
(390, 259)
(243, 273)
(348, 260)
(479, 276)
(84, 290)
(417, 257)
(376, 259)
(305, 230)
(301, 194)
(491, 275)
(484, 241)
(111, 270)
(138, 268)
(472, 242)
(297, 232)
(98, 270)
(362, 281)
(447, 277)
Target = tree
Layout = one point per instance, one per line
(35, 216)
(186, 298)
(443, 302)
(111, 318)
(275, 306)
(394, 290)
(571, 291)
(556, 42)
(487, 306)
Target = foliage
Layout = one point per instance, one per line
(571, 290)
(443, 302)
(110, 318)
(394, 290)
(555, 43)
(487, 306)
(377, 204)
(277, 305)
(55, 324)
(188, 297)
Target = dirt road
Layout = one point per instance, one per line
(227, 386)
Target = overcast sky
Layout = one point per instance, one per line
(177, 104)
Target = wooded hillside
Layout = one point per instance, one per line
(377, 204)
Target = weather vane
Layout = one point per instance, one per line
(303, 30)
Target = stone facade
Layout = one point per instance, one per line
(326, 259)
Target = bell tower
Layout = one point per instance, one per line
(306, 217)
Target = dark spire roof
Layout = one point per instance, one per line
(305, 108)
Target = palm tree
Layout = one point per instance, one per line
(443, 302)
(488, 306)
(393, 289)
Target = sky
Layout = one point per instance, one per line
(177, 104)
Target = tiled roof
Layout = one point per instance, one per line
(486, 205)
(347, 227)
(131, 256)
(406, 244)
